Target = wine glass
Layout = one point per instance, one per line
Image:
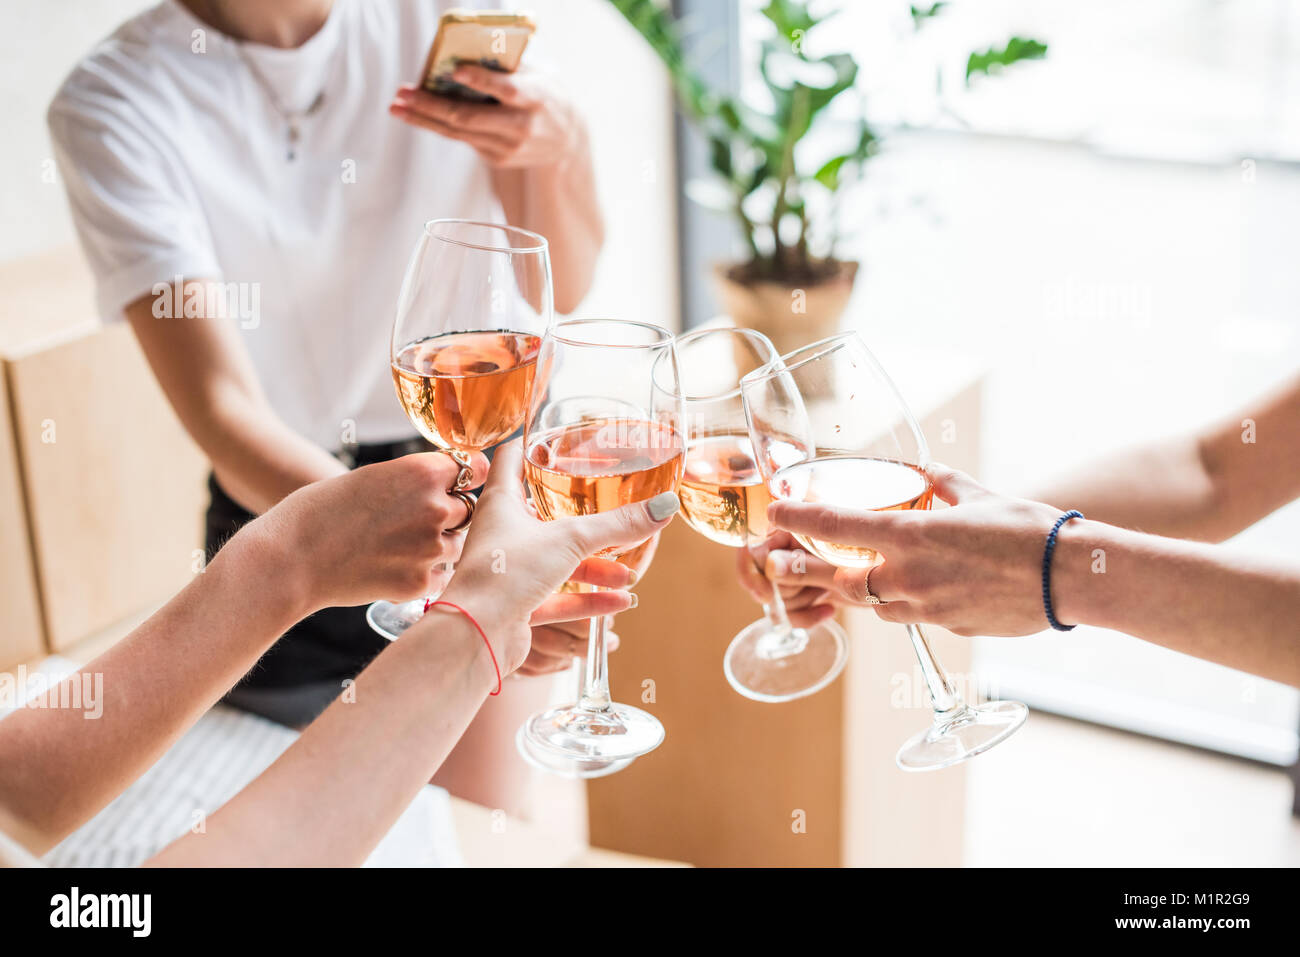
(599, 435)
(829, 426)
(567, 767)
(725, 498)
(471, 314)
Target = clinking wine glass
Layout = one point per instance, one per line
(473, 308)
(567, 766)
(561, 765)
(829, 426)
(598, 436)
(725, 498)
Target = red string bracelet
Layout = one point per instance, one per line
(479, 629)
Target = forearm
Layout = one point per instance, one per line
(1202, 600)
(409, 708)
(559, 202)
(257, 458)
(1163, 489)
(1208, 486)
(61, 766)
(209, 379)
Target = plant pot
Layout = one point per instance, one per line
(791, 316)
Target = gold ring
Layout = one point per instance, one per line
(466, 474)
(470, 501)
(870, 599)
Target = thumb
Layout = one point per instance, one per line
(622, 527)
(507, 469)
(953, 486)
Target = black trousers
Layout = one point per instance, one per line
(304, 671)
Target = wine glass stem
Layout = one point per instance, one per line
(774, 608)
(595, 693)
(943, 697)
(776, 613)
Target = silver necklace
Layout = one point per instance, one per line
(292, 118)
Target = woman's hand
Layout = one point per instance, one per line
(558, 642)
(376, 532)
(806, 582)
(513, 562)
(975, 568)
(531, 126)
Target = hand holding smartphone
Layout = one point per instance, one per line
(492, 40)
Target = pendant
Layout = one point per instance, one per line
(292, 137)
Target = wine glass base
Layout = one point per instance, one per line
(390, 619)
(617, 733)
(962, 734)
(565, 767)
(755, 673)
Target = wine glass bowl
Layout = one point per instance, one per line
(831, 428)
(468, 394)
(474, 305)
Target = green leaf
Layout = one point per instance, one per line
(921, 14)
(846, 74)
(791, 18)
(829, 174)
(994, 59)
(720, 155)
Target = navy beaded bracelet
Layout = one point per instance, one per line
(1047, 570)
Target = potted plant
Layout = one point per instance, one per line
(791, 285)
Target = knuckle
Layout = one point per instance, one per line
(907, 534)
(437, 513)
(828, 524)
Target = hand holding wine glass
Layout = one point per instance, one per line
(830, 429)
(806, 582)
(473, 307)
(725, 498)
(975, 569)
(513, 564)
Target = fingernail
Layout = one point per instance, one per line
(777, 564)
(633, 576)
(663, 505)
(635, 600)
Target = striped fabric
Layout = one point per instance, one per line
(222, 753)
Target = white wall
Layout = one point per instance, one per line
(40, 41)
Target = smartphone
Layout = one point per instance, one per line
(493, 40)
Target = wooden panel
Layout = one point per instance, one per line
(42, 297)
(722, 788)
(114, 485)
(21, 630)
(45, 297)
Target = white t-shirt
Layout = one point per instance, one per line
(176, 164)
